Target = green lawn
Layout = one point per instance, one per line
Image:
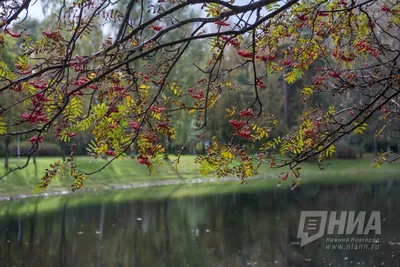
(129, 172)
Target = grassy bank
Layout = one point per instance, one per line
(40, 205)
(129, 172)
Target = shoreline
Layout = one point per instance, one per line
(169, 182)
(324, 178)
(128, 174)
(23, 204)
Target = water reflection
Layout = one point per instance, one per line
(258, 229)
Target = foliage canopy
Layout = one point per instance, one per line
(122, 93)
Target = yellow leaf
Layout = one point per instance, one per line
(144, 87)
(290, 77)
(307, 91)
(227, 155)
(3, 128)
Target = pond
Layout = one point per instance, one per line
(235, 229)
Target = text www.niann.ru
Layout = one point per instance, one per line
(352, 246)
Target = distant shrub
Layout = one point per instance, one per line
(381, 144)
(345, 151)
(44, 149)
(1, 149)
(312, 159)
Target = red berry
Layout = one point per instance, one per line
(12, 34)
(222, 23)
(237, 124)
(134, 125)
(245, 53)
(34, 139)
(143, 160)
(110, 152)
(246, 113)
(156, 27)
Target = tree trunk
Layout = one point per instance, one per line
(166, 146)
(34, 161)
(285, 100)
(62, 151)
(18, 145)
(194, 152)
(6, 152)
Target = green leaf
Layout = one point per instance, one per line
(360, 128)
(330, 151)
(331, 111)
(298, 73)
(205, 167)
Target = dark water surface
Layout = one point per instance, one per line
(252, 229)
